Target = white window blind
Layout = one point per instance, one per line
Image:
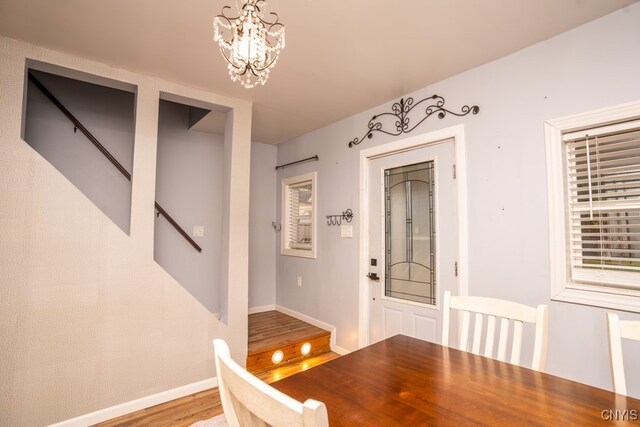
(603, 197)
(300, 215)
(299, 211)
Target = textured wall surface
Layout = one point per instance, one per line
(87, 319)
(590, 67)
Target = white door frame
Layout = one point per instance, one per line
(408, 144)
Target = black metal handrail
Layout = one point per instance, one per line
(78, 126)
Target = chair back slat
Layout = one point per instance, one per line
(249, 402)
(508, 312)
(618, 330)
(630, 329)
(444, 338)
(516, 345)
(491, 333)
(504, 336)
(540, 343)
(464, 331)
(615, 352)
(477, 334)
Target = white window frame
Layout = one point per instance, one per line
(562, 286)
(286, 220)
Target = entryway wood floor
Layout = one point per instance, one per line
(272, 331)
(263, 328)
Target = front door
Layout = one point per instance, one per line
(413, 240)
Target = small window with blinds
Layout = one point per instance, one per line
(593, 179)
(298, 210)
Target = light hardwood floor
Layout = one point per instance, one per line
(206, 404)
(271, 329)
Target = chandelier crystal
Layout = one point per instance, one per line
(249, 42)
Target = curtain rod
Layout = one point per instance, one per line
(308, 159)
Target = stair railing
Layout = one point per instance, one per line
(78, 126)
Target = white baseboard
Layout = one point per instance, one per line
(262, 308)
(340, 350)
(315, 322)
(138, 404)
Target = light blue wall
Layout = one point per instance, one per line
(262, 236)
(590, 67)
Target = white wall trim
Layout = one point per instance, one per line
(315, 322)
(138, 404)
(262, 308)
(340, 350)
(407, 144)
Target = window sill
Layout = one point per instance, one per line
(628, 301)
(298, 253)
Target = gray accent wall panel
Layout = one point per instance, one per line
(109, 115)
(189, 183)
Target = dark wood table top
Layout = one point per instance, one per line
(405, 381)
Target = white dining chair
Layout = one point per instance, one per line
(249, 402)
(505, 310)
(618, 329)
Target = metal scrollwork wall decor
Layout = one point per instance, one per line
(400, 116)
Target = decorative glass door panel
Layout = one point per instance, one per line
(410, 239)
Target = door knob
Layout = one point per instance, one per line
(373, 276)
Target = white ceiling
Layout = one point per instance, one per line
(342, 56)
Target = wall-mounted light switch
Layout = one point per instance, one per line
(198, 230)
(300, 281)
(346, 231)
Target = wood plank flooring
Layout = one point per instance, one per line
(267, 331)
(272, 329)
(180, 412)
(206, 404)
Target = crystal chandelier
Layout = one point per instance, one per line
(249, 42)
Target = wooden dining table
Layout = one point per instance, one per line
(410, 382)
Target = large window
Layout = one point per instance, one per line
(593, 163)
(299, 216)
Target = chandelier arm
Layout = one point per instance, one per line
(263, 68)
(223, 15)
(272, 23)
(256, 3)
(233, 64)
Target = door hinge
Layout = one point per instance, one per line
(454, 171)
(455, 268)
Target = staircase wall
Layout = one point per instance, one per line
(109, 115)
(189, 183)
(87, 319)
